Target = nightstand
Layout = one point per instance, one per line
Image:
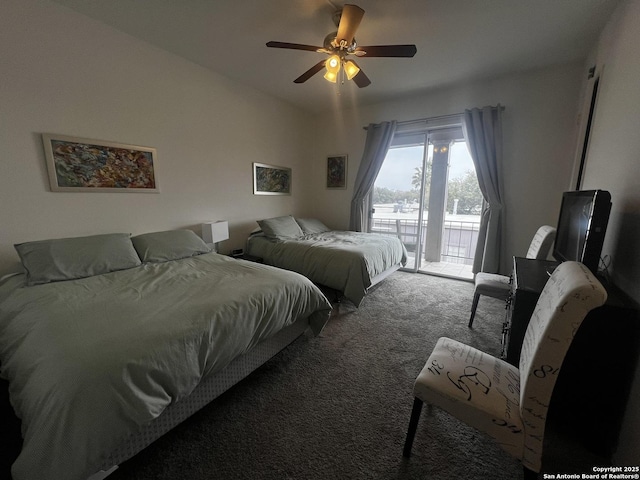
(246, 256)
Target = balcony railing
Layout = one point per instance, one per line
(459, 237)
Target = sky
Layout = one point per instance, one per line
(399, 166)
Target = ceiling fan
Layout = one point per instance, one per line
(340, 45)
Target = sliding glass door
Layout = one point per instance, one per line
(398, 198)
(427, 194)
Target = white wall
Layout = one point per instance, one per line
(61, 72)
(613, 164)
(539, 129)
(64, 73)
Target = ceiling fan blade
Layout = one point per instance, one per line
(310, 73)
(361, 80)
(387, 51)
(349, 21)
(294, 46)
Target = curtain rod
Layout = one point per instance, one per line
(440, 117)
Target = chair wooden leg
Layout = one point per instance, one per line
(413, 425)
(476, 298)
(529, 474)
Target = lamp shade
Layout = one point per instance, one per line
(351, 69)
(332, 77)
(214, 232)
(333, 64)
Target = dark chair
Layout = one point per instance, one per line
(498, 286)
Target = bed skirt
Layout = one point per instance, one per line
(210, 388)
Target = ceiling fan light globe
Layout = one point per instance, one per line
(333, 64)
(331, 77)
(351, 69)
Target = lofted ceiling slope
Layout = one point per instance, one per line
(457, 40)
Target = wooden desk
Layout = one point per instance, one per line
(594, 382)
(528, 279)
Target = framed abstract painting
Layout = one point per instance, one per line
(84, 165)
(337, 171)
(271, 180)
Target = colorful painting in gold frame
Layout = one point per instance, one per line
(84, 165)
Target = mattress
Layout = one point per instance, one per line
(92, 361)
(343, 260)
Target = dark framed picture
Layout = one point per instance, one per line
(84, 165)
(271, 180)
(337, 171)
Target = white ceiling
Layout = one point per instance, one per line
(457, 40)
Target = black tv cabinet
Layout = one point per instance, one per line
(594, 382)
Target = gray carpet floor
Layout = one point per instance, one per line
(337, 405)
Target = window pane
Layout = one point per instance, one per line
(396, 196)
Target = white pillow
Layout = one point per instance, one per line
(312, 225)
(159, 247)
(281, 228)
(78, 257)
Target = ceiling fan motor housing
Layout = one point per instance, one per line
(331, 45)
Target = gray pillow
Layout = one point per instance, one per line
(311, 225)
(281, 228)
(170, 245)
(70, 258)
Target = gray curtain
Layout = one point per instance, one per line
(379, 137)
(483, 133)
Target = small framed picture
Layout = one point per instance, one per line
(271, 180)
(84, 165)
(337, 171)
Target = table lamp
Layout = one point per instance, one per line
(214, 232)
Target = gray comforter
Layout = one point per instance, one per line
(342, 260)
(91, 360)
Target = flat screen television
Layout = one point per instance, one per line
(582, 224)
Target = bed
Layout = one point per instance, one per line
(109, 341)
(345, 261)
